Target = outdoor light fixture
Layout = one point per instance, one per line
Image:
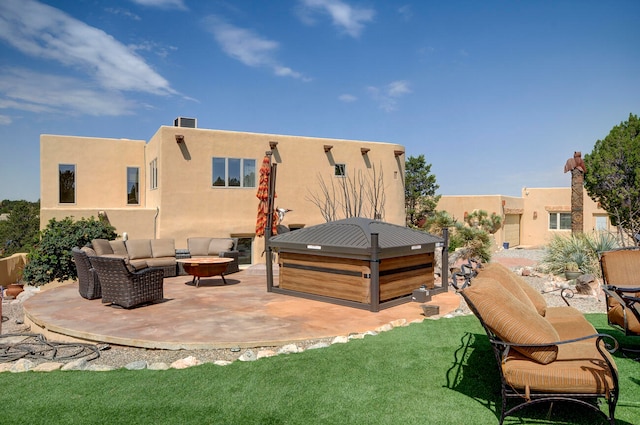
(179, 138)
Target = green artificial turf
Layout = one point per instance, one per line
(435, 372)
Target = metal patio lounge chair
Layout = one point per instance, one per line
(621, 285)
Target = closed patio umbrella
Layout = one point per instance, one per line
(263, 197)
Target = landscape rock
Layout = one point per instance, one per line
(185, 363)
(248, 356)
(48, 367)
(158, 366)
(22, 365)
(137, 365)
(289, 349)
(79, 364)
(340, 340)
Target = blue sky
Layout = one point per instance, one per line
(496, 94)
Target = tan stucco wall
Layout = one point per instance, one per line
(533, 207)
(185, 202)
(457, 206)
(11, 268)
(540, 201)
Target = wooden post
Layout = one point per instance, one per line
(374, 265)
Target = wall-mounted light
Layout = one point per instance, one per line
(398, 153)
(364, 151)
(327, 148)
(179, 138)
(273, 145)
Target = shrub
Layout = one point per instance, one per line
(580, 248)
(51, 259)
(473, 240)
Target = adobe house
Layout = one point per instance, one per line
(187, 181)
(531, 220)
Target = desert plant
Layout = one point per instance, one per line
(51, 258)
(580, 248)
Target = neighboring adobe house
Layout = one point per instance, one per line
(186, 181)
(531, 220)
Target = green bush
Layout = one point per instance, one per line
(474, 238)
(580, 248)
(51, 259)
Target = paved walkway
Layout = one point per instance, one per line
(239, 314)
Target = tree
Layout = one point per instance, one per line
(359, 194)
(612, 176)
(51, 259)
(19, 232)
(420, 187)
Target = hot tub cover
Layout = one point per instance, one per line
(351, 237)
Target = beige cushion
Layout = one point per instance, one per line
(119, 247)
(504, 276)
(511, 320)
(163, 248)
(139, 248)
(516, 285)
(89, 251)
(218, 245)
(161, 262)
(198, 246)
(101, 246)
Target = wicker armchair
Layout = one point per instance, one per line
(88, 283)
(124, 288)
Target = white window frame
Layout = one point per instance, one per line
(243, 176)
(558, 221)
(153, 174)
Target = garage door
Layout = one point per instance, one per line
(512, 229)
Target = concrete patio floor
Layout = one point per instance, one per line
(239, 314)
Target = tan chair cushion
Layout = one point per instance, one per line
(139, 248)
(218, 245)
(504, 276)
(163, 248)
(616, 315)
(161, 262)
(512, 320)
(512, 281)
(198, 246)
(118, 247)
(101, 246)
(89, 251)
(578, 369)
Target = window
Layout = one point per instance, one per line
(133, 174)
(67, 183)
(559, 221)
(340, 170)
(153, 174)
(233, 172)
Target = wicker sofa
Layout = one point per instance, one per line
(140, 253)
(215, 247)
(544, 354)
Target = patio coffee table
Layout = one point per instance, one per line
(205, 267)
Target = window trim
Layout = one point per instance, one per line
(75, 184)
(137, 184)
(558, 221)
(153, 174)
(242, 169)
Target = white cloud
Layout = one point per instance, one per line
(249, 48)
(32, 91)
(387, 96)
(44, 32)
(163, 4)
(349, 19)
(5, 120)
(347, 98)
(405, 12)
